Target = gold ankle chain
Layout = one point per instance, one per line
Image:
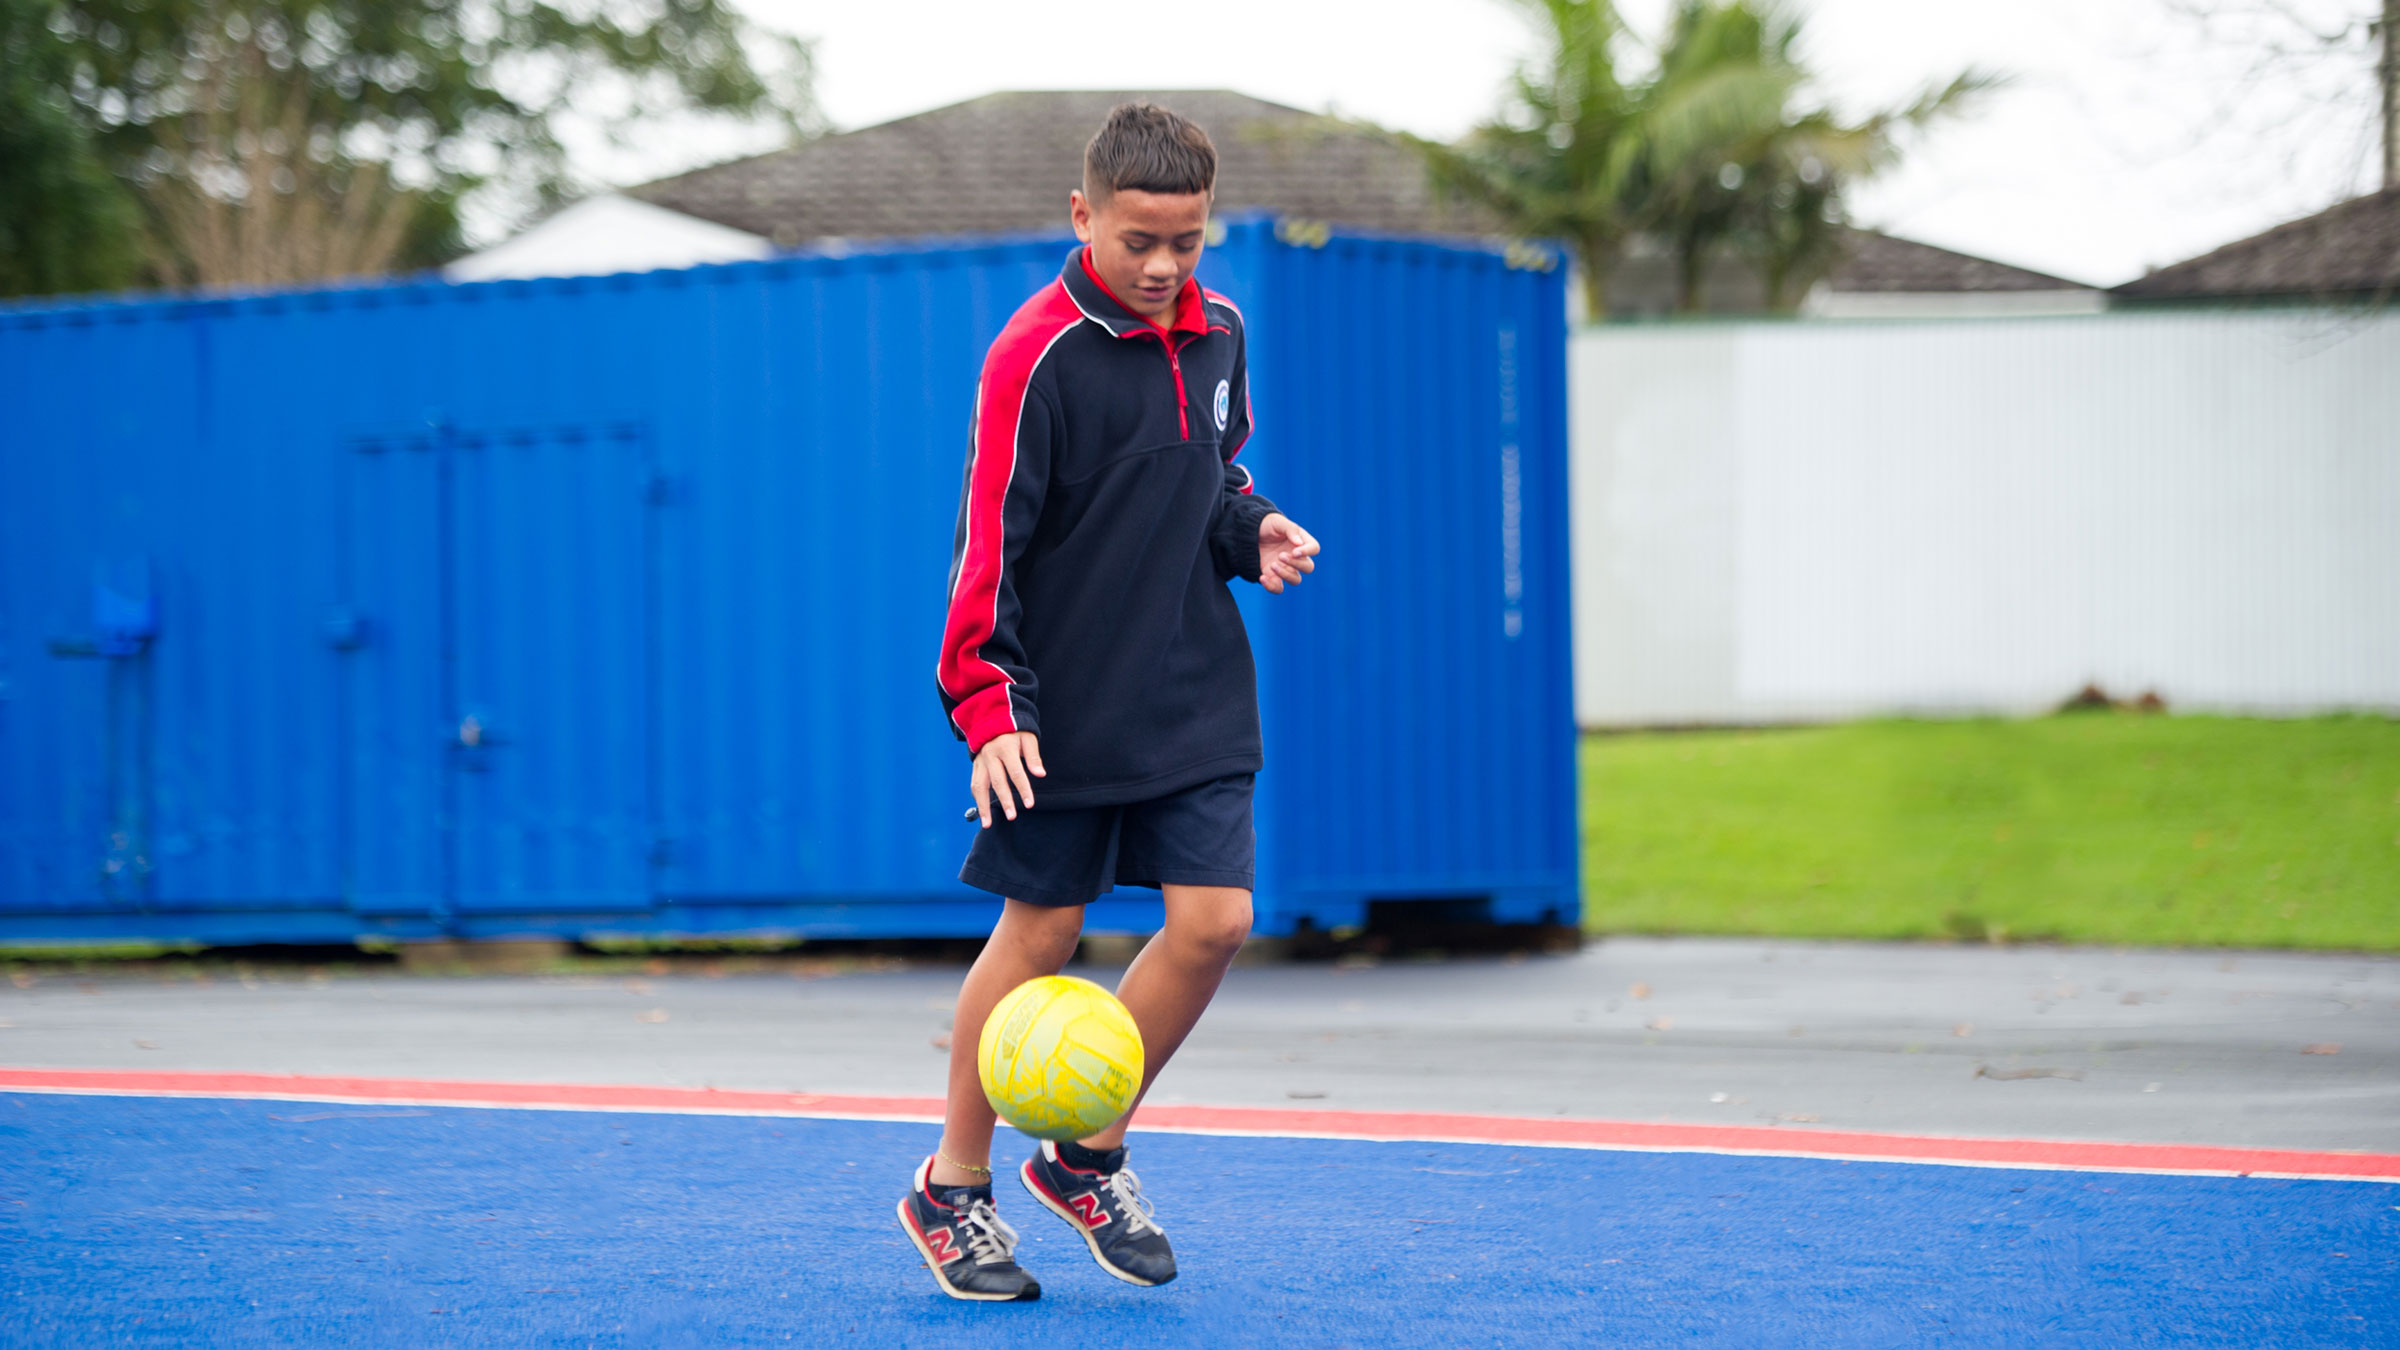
(963, 1167)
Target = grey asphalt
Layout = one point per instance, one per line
(2260, 1049)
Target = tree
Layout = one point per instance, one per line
(1755, 168)
(1710, 145)
(2306, 57)
(244, 194)
(274, 140)
(66, 223)
(1558, 160)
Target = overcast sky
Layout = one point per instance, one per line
(2126, 140)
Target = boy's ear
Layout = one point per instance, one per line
(1079, 213)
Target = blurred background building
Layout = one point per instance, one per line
(1004, 163)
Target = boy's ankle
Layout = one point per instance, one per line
(1088, 1159)
(946, 1173)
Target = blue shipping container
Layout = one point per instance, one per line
(609, 605)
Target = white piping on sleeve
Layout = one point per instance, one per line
(999, 558)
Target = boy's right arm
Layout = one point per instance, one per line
(987, 688)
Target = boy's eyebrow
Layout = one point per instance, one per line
(1144, 238)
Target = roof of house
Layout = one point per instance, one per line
(1004, 163)
(1644, 281)
(2346, 250)
(1883, 262)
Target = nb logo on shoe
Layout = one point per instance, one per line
(944, 1245)
(1087, 1208)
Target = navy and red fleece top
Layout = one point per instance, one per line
(1101, 517)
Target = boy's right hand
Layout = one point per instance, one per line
(1000, 772)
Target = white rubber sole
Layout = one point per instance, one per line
(1025, 1178)
(967, 1295)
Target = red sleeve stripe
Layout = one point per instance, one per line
(999, 419)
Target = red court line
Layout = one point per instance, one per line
(2078, 1155)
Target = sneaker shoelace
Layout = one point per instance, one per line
(989, 1238)
(1139, 1216)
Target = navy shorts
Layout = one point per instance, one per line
(1200, 836)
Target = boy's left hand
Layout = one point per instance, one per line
(1285, 552)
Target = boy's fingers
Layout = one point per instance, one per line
(1001, 788)
(980, 784)
(1016, 774)
(1033, 757)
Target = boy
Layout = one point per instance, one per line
(1090, 622)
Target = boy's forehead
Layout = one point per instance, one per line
(1160, 213)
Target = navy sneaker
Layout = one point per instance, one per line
(1107, 1208)
(968, 1246)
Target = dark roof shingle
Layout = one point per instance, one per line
(1005, 162)
(2348, 250)
(1882, 262)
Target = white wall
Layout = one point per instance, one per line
(1804, 520)
(605, 234)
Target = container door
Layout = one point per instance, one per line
(551, 608)
(386, 631)
(497, 631)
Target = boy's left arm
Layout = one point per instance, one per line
(1252, 539)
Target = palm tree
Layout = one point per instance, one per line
(1557, 163)
(1739, 163)
(1710, 147)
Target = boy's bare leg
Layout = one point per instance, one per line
(1170, 984)
(1029, 941)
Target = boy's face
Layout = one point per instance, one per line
(1144, 245)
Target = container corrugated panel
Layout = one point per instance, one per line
(609, 604)
(1823, 520)
(1412, 416)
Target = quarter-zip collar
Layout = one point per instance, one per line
(1101, 305)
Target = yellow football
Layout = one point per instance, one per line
(1060, 1058)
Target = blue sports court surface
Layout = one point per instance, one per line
(133, 1219)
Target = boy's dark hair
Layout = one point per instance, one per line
(1146, 148)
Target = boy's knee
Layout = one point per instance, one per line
(1057, 947)
(1220, 928)
(1043, 934)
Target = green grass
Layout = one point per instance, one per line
(2085, 827)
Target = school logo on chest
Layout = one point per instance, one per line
(1224, 402)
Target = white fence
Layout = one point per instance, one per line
(1811, 520)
